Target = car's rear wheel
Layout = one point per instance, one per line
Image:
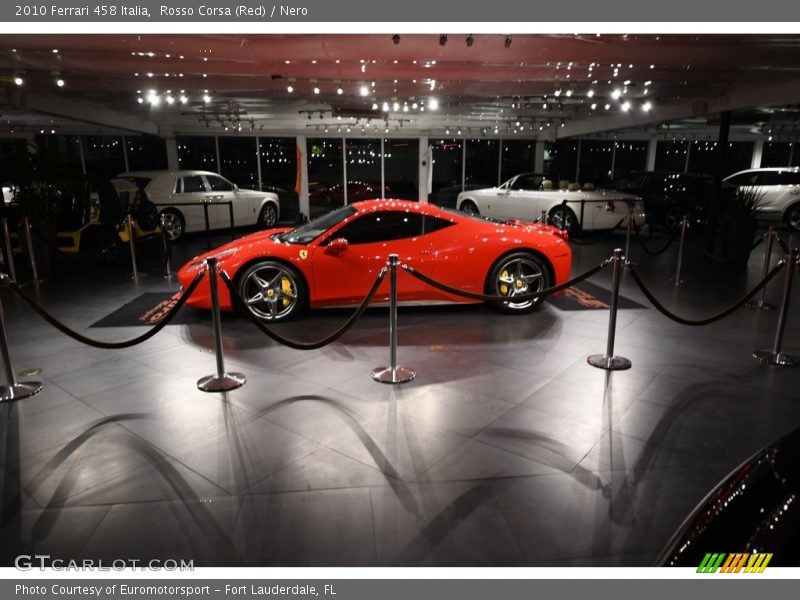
(173, 223)
(518, 274)
(268, 216)
(562, 217)
(792, 216)
(470, 208)
(272, 291)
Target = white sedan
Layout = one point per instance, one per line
(180, 195)
(575, 208)
(779, 190)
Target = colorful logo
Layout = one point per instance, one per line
(734, 563)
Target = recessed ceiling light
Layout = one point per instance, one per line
(290, 89)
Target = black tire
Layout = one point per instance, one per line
(273, 291)
(173, 223)
(518, 273)
(563, 217)
(103, 246)
(792, 216)
(469, 207)
(268, 216)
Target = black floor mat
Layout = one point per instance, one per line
(148, 309)
(588, 296)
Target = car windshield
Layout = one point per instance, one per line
(313, 229)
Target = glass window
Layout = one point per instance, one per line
(197, 152)
(382, 226)
(325, 185)
(565, 161)
(738, 156)
(776, 154)
(218, 184)
(363, 170)
(482, 163)
(530, 181)
(748, 178)
(193, 184)
(313, 229)
(279, 163)
(704, 157)
(146, 152)
(104, 157)
(238, 161)
(629, 156)
(671, 156)
(446, 156)
(400, 168)
(432, 224)
(795, 162)
(67, 147)
(595, 164)
(519, 156)
(776, 178)
(789, 178)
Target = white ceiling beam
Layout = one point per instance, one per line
(740, 97)
(83, 112)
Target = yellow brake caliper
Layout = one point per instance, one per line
(286, 286)
(504, 286)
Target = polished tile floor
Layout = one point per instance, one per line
(507, 449)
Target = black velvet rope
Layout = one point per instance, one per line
(661, 250)
(492, 298)
(109, 345)
(708, 320)
(605, 236)
(783, 244)
(237, 299)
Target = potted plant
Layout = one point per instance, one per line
(738, 223)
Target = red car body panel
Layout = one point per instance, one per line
(460, 255)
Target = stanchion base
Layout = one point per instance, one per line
(781, 358)
(765, 306)
(396, 375)
(609, 363)
(224, 383)
(676, 282)
(18, 391)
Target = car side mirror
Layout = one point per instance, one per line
(235, 188)
(337, 246)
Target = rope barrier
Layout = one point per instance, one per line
(669, 243)
(519, 298)
(603, 237)
(729, 258)
(711, 319)
(108, 345)
(783, 244)
(237, 299)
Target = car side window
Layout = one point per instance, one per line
(431, 224)
(381, 226)
(218, 184)
(744, 179)
(789, 178)
(527, 182)
(769, 178)
(193, 184)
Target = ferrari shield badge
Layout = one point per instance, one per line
(303, 254)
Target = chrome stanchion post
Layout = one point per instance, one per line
(676, 280)
(9, 251)
(12, 390)
(26, 227)
(543, 218)
(132, 246)
(628, 237)
(761, 303)
(167, 249)
(222, 381)
(608, 361)
(393, 373)
(776, 356)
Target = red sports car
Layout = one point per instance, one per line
(334, 260)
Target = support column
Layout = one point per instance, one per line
(538, 157)
(425, 163)
(758, 152)
(302, 164)
(722, 143)
(652, 146)
(172, 152)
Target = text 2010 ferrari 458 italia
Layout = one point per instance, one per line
(335, 259)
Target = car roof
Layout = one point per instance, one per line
(765, 170)
(160, 172)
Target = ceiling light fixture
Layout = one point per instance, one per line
(19, 77)
(290, 89)
(433, 104)
(364, 91)
(443, 39)
(508, 41)
(396, 39)
(470, 40)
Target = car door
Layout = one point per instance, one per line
(344, 277)
(190, 195)
(222, 191)
(523, 199)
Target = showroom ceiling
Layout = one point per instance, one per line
(482, 84)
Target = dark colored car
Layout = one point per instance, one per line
(288, 201)
(755, 509)
(669, 195)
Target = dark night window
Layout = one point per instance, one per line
(383, 226)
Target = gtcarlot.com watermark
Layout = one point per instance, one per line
(29, 562)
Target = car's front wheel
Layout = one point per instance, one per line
(562, 217)
(272, 291)
(792, 216)
(518, 274)
(268, 216)
(469, 207)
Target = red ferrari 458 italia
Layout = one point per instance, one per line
(335, 259)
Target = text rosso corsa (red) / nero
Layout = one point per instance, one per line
(229, 11)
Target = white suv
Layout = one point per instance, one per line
(780, 192)
(179, 196)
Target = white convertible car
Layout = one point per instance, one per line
(573, 208)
